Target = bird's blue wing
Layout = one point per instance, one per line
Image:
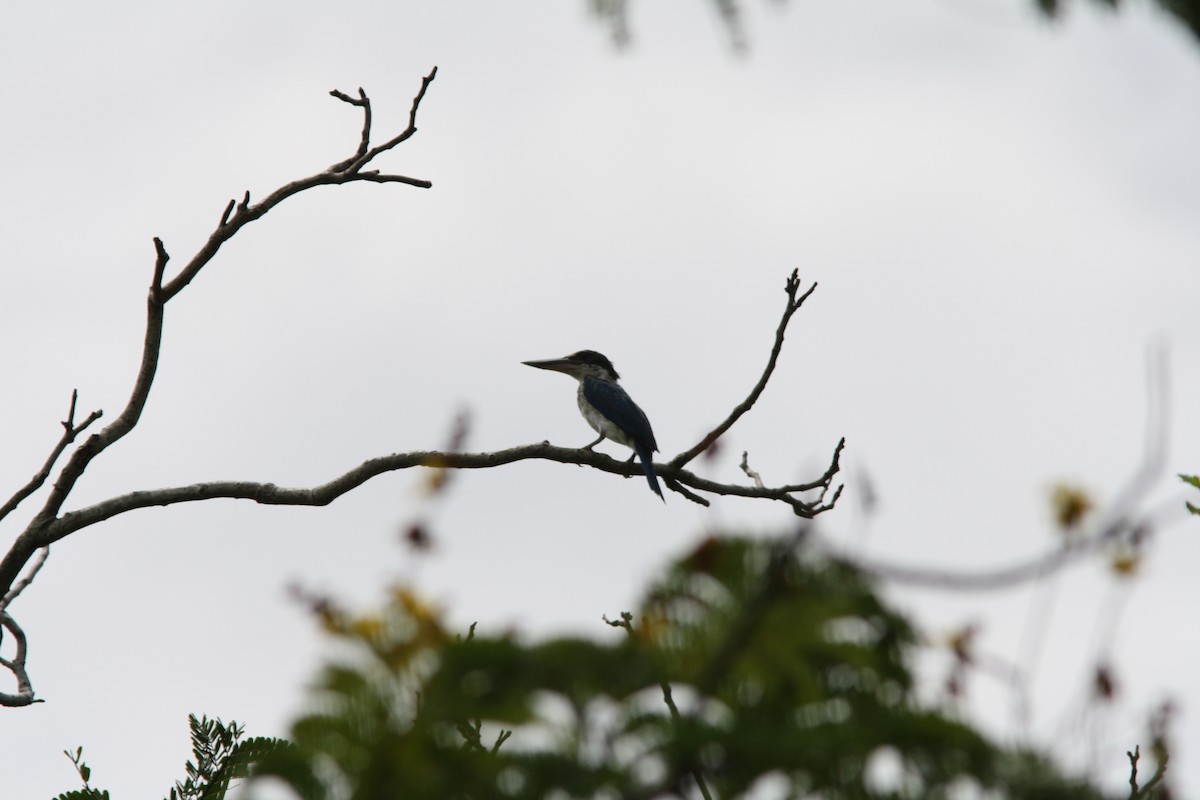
(615, 403)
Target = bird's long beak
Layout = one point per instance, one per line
(556, 364)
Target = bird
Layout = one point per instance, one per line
(607, 407)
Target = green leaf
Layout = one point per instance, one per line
(1192, 480)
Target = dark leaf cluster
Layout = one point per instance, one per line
(615, 14)
(750, 663)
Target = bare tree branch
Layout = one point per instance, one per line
(233, 219)
(26, 543)
(1155, 780)
(70, 431)
(16, 666)
(793, 305)
(783, 494)
(363, 156)
(750, 473)
(1121, 521)
(363, 102)
(325, 493)
(20, 585)
(347, 171)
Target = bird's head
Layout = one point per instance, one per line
(579, 365)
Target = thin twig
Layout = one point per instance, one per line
(347, 171)
(363, 102)
(1134, 757)
(405, 134)
(793, 305)
(70, 431)
(738, 635)
(626, 622)
(750, 473)
(20, 585)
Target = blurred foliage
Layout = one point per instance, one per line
(1183, 12)
(615, 15)
(1070, 506)
(1191, 480)
(752, 665)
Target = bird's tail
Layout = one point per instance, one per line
(647, 459)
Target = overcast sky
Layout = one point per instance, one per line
(1003, 216)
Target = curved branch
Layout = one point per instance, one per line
(994, 579)
(793, 305)
(325, 493)
(20, 585)
(125, 421)
(16, 666)
(1119, 522)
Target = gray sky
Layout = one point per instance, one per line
(1001, 214)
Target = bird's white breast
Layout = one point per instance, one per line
(600, 423)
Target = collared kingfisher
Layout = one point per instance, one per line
(607, 407)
